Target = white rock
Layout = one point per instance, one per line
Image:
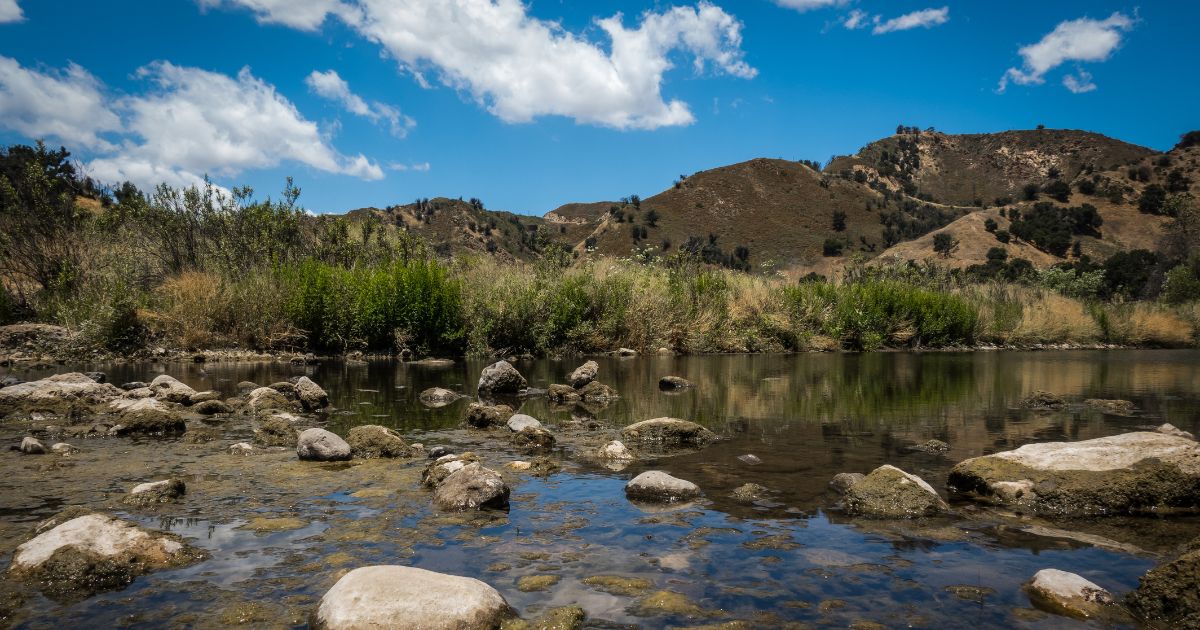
(521, 421)
(614, 450)
(310, 394)
(1108, 453)
(1070, 594)
(659, 487)
(62, 448)
(241, 448)
(1170, 429)
(322, 446)
(32, 446)
(170, 389)
(407, 598)
(95, 535)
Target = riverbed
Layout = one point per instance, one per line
(279, 532)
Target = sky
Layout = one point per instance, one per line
(530, 105)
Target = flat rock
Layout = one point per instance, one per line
(1064, 593)
(1115, 407)
(170, 389)
(58, 393)
(520, 421)
(372, 440)
(888, 492)
(583, 374)
(501, 378)
(435, 397)
(152, 416)
(1121, 474)
(471, 487)
(321, 446)
(656, 486)
(667, 432)
(146, 494)
(407, 598)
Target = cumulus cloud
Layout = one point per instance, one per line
(520, 67)
(420, 167)
(305, 15)
(856, 19)
(925, 18)
(809, 5)
(1079, 84)
(331, 86)
(68, 106)
(10, 11)
(1078, 40)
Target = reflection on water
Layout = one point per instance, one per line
(792, 558)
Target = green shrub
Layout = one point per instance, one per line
(1181, 286)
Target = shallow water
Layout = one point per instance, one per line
(280, 531)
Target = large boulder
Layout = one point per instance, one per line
(1120, 474)
(320, 445)
(170, 389)
(311, 396)
(1170, 592)
(89, 553)
(501, 378)
(667, 432)
(407, 598)
(1064, 593)
(150, 416)
(656, 486)
(485, 416)
(888, 492)
(444, 466)
(57, 394)
(266, 399)
(472, 487)
(435, 397)
(372, 440)
(583, 374)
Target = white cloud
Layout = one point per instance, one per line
(1083, 39)
(856, 19)
(809, 5)
(10, 11)
(331, 86)
(420, 167)
(67, 106)
(305, 15)
(1079, 84)
(520, 67)
(925, 18)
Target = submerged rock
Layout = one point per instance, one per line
(241, 448)
(62, 448)
(311, 396)
(1115, 407)
(58, 393)
(435, 397)
(148, 415)
(372, 440)
(562, 394)
(656, 486)
(597, 393)
(471, 487)
(583, 374)
(485, 416)
(94, 552)
(932, 447)
(146, 494)
(669, 383)
(750, 492)
(267, 399)
(841, 482)
(321, 446)
(563, 618)
(1120, 474)
(170, 389)
(667, 432)
(1064, 593)
(1170, 592)
(276, 431)
(32, 446)
(519, 422)
(1044, 401)
(501, 378)
(888, 492)
(407, 598)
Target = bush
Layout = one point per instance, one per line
(1153, 198)
(1058, 190)
(1086, 187)
(1069, 282)
(1181, 286)
(1003, 236)
(833, 247)
(1030, 191)
(990, 225)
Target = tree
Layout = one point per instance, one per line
(1059, 190)
(1003, 236)
(833, 247)
(1086, 187)
(944, 244)
(652, 217)
(839, 221)
(1152, 200)
(990, 225)
(1189, 139)
(997, 255)
(1177, 182)
(1030, 191)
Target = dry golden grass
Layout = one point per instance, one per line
(1151, 325)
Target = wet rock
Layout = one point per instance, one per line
(583, 374)
(1120, 474)
(57, 394)
(211, 407)
(266, 399)
(888, 492)
(407, 598)
(444, 466)
(1044, 401)
(626, 352)
(485, 416)
(671, 383)
(750, 492)
(32, 446)
(144, 392)
(614, 450)
(276, 431)
(543, 466)
(170, 389)
(533, 439)
(1114, 407)
(241, 448)
(1170, 592)
(1068, 594)
(201, 435)
(148, 416)
(564, 618)
(99, 377)
(311, 396)
(320, 445)
(435, 397)
(205, 396)
(1170, 429)
(559, 394)
(519, 422)
(147, 494)
(667, 603)
(287, 388)
(667, 432)
(933, 447)
(372, 440)
(472, 487)
(750, 459)
(434, 452)
(95, 552)
(597, 393)
(656, 486)
(245, 387)
(132, 385)
(841, 482)
(534, 583)
(619, 585)
(9, 381)
(501, 378)
(62, 448)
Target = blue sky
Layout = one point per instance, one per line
(528, 106)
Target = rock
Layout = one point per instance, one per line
(170, 389)
(144, 392)
(62, 448)
(520, 421)
(245, 387)
(265, 399)
(276, 431)
(311, 396)
(598, 393)
(626, 352)
(201, 435)
(501, 378)
(841, 482)
(444, 466)
(320, 445)
(201, 397)
(1068, 594)
(484, 416)
(1044, 401)
(57, 394)
(32, 446)
(1170, 592)
(563, 618)
(95, 552)
(519, 465)
(211, 407)
(435, 397)
(669, 383)
(1120, 474)
(533, 438)
(535, 583)
(562, 394)
(614, 450)
(1170, 429)
(148, 416)
(472, 487)
(372, 440)
(668, 432)
(9, 381)
(99, 377)
(888, 492)
(656, 486)
(287, 388)
(241, 448)
(750, 459)
(1115, 407)
(932, 447)
(750, 492)
(435, 452)
(544, 466)
(146, 494)
(132, 385)
(583, 374)
(407, 598)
